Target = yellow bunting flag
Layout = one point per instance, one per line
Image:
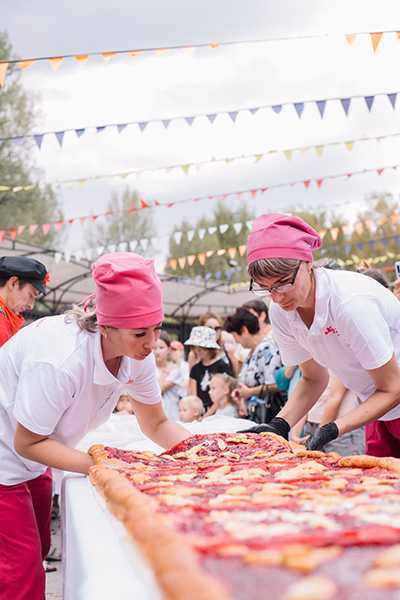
(375, 39)
(288, 154)
(349, 146)
(3, 73)
(398, 35)
(108, 55)
(81, 58)
(134, 53)
(201, 258)
(25, 64)
(173, 263)
(242, 249)
(350, 38)
(322, 233)
(182, 261)
(185, 168)
(161, 51)
(319, 150)
(221, 251)
(55, 62)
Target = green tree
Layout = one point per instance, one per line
(125, 226)
(17, 116)
(223, 236)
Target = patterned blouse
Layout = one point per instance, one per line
(261, 365)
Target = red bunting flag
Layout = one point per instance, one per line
(144, 204)
(46, 228)
(307, 183)
(12, 233)
(319, 182)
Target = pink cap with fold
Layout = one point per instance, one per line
(128, 291)
(281, 236)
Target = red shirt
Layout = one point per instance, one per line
(10, 322)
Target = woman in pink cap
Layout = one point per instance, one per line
(325, 319)
(59, 378)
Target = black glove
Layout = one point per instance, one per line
(276, 425)
(322, 436)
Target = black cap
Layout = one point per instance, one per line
(26, 269)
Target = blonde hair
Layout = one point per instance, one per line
(272, 267)
(196, 403)
(84, 315)
(232, 385)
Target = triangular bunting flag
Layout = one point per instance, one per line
(108, 55)
(350, 38)
(100, 129)
(321, 105)
(143, 125)
(81, 58)
(232, 252)
(25, 64)
(20, 229)
(144, 243)
(3, 73)
(242, 249)
(57, 257)
(55, 62)
(38, 140)
(121, 127)
(201, 233)
(211, 118)
(12, 232)
(375, 39)
(277, 108)
(221, 251)
(166, 123)
(67, 256)
(185, 168)
(32, 229)
(307, 183)
(2, 235)
(46, 228)
(334, 233)
(212, 230)
(80, 132)
(345, 102)
(299, 106)
(210, 253)
(319, 150)
(190, 259)
(253, 193)
(237, 227)
(190, 235)
(173, 263)
(319, 182)
(58, 225)
(249, 224)
(380, 171)
(392, 98)
(233, 115)
(59, 136)
(201, 258)
(132, 245)
(253, 111)
(223, 228)
(189, 120)
(144, 204)
(258, 157)
(369, 100)
(288, 154)
(349, 146)
(178, 236)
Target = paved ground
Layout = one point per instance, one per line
(54, 580)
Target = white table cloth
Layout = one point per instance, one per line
(100, 562)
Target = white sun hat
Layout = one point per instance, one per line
(205, 337)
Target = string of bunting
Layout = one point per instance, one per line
(298, 106)
(186, 167)
(19, 230)
(81, 58)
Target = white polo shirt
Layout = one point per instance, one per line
(356, 327)
(54, 382)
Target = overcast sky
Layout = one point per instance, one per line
(207, 81)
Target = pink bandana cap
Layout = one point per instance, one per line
(281, 236)
(128, 291)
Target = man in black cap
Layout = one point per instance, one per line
(22, 281)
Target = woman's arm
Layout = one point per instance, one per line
(192, 387)
(156, 426)
(332, 405)
(44, 450)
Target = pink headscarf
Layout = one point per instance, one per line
(281, 236)
(128, 291)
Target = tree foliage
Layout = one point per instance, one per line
(17, 116)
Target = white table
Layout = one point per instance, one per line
(100, 562)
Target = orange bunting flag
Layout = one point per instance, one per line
(12, 233)
(322, 233)
(25, 64)
(144, 204)
(394, 218)
(398, 35)
(172, 263)
(214, 45)
(359, 228)
(20, 229)
(108, 55)
(242, 249)
(232, 252)
(351, 38)
(191, 259)
(202, 258)
(81, 58)
(375, 39)
(3, 73)
(182, 261)
(55, 62)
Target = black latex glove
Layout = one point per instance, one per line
(322, 436)
(276, 425)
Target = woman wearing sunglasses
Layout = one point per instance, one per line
(324, 319)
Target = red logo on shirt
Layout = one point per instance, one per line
(330, 329)
(130, 381)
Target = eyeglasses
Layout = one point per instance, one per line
(217, 328)
(277, 289)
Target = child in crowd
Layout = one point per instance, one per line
(172, 377)
(124, 405)
(190, 409)
(203, 339)
(222, 388)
